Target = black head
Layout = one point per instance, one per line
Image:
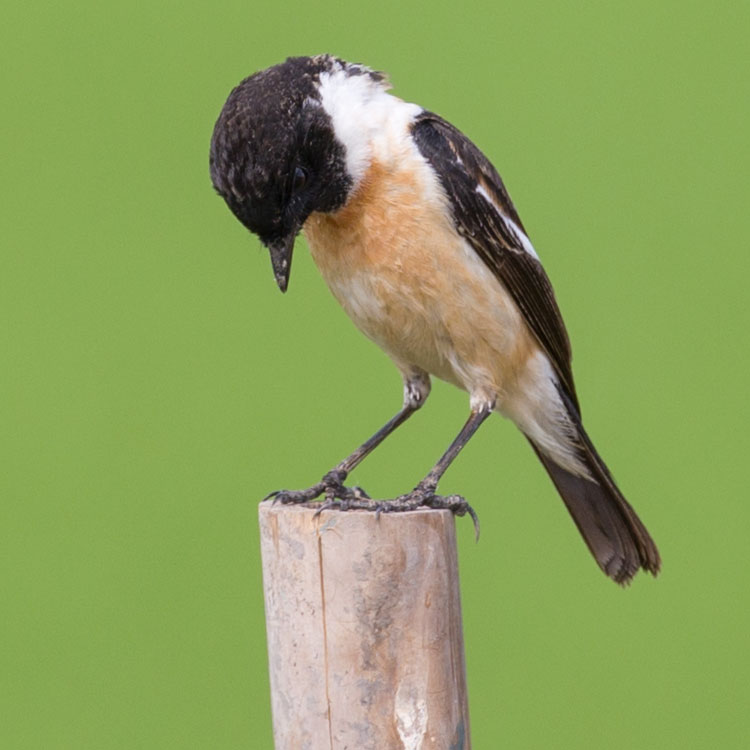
(274, 158)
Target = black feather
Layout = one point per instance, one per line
(617, 538)
(461, 168)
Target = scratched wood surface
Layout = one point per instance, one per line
(365, 645)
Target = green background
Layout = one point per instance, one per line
(155, 384)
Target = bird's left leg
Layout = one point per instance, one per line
(423, 495)
(331, 486)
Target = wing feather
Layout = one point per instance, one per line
(484, 214)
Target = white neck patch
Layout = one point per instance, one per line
(366, 119)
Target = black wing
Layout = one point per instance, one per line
(481, 209)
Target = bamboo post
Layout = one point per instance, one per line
(365, 646)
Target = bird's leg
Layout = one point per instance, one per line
(331, 486)
(423, 495)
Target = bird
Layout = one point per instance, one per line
(415, 234)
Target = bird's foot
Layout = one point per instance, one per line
(331, 487)
(338, 497)
(424, 496)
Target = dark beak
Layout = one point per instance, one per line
(281, 259)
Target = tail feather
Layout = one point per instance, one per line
(617, 538)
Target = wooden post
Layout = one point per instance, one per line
(365, 646)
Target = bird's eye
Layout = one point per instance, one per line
(300, 179)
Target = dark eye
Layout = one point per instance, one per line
(300, 179)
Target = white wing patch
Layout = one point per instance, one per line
(510, 225)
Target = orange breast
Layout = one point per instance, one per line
(396, 264)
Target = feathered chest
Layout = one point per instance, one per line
(393, 259)
(382, 252)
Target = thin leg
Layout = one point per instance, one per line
(472, 425)
(423, 495)
(416, 390)
(355, 459)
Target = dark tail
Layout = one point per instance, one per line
(617, 538)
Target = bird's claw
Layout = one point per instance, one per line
(338, 497)
(296, 497)
(330, 486)
(425, 497)
(357, 500)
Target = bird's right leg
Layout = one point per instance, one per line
(331, 486)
